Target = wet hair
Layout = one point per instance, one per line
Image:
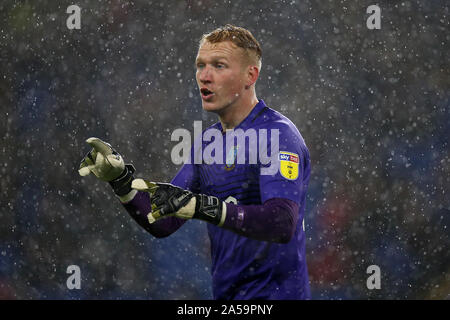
(240, 37)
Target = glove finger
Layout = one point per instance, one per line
(155, 208)
(87, 156)
(153, 216)
(84, 170)
(143, 185)
(89, 160)
(165, 210)
(100, 146)
(85, 166)
(158, 199)
(115, 160)
(100, 160)
(92, 155)
(96, 165)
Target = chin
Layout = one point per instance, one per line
(210, 106)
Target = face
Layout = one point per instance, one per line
(221, 75)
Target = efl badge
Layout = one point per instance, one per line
(289, 165)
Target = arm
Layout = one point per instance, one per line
(139, 207)
(274, 221)
(138, 204)
(108, 165)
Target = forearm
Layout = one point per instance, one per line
(274, 221)
(139, 206)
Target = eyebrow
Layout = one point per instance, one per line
(213, 58)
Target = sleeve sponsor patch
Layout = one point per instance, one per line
(289, 165)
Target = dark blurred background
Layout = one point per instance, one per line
(372, 105)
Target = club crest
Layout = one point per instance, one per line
(230, 162)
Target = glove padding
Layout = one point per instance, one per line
(169, 200)
(103, 161)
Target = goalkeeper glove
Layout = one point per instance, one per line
(169, 200)
(107, 165)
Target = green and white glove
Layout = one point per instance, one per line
(103, 161)
(107, 165)
(169, 200)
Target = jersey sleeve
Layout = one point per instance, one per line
(290, 179)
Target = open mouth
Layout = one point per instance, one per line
(206, 93)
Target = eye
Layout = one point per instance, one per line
(220, 65)
(200, 65)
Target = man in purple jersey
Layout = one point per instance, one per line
(254, 215)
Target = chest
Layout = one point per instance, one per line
(238, 182)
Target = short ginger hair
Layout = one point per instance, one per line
(240, 37)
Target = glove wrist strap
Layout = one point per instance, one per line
(122, 184)
(208, 208)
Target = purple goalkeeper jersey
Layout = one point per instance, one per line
(243, 268)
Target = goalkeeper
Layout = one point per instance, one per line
(254, 220)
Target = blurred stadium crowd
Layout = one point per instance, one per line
(372, 105)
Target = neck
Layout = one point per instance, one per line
(234, 115)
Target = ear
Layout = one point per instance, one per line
(252, 75)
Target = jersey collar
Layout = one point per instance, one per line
(247, 122)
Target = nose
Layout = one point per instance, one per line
(204, 75)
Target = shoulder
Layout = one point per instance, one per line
(288, 131)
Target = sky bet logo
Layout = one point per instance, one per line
(288, 157)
